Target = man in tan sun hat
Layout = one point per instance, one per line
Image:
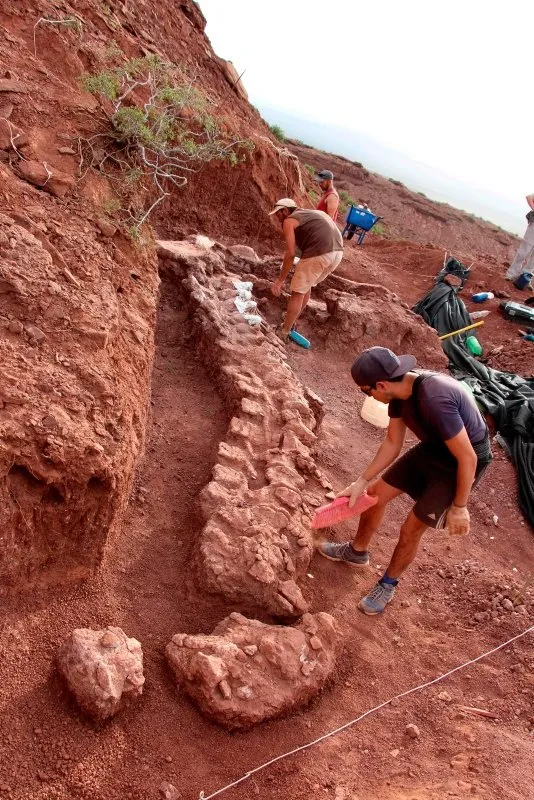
(317, 237)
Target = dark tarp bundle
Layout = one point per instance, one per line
(507, 397)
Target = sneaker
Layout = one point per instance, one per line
(377, 599)
(344, 552)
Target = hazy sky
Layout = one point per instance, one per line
(450, 84)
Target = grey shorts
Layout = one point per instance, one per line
(427, 473)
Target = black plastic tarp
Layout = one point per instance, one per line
(509, 398)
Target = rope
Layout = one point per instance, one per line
(325, 736)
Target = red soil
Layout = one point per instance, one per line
(147, 587)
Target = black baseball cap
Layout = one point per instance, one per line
(324, 175)
(380, 364)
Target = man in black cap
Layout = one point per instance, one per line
(329, 202)
(438, 473)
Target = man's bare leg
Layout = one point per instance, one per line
(370, 520)
(294, 307)
(407, 546)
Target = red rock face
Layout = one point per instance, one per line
(73, 349)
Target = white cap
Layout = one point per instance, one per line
(285, 202)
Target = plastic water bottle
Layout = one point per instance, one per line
(298, 338)
(481, 296)
(473, 345)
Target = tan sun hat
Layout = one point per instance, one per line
(285, 202)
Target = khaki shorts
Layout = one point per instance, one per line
(311, 271)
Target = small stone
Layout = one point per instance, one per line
(412, 731)
(330, 495)
(441, 573)
(7, 85)
(35, 333)
(495, 520)
(168, 759)
(445, 697)
(507, 604)
(106, 228)
(15, 326)
(225, 689)
(250, 649)
(168, 791)
(405, 604)
(244, 692)
(315, 643)
(66, 151)
(302, 542)
(394, 753)
(394, 702)
(481, 616)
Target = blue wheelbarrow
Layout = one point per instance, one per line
(359, 221)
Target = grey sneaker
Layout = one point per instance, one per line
(344, 552)
(377, 599)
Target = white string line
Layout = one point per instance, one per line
(322, 738)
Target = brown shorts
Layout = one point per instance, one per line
(427, 473)
(311, 271)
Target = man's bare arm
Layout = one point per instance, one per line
(332, 203)
(288, 229)
(530, 201)
(462, 450)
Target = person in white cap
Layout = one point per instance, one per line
(318, 238)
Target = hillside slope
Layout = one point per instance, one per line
(411, 215)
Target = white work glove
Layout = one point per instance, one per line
(354, 490)
(458, 521)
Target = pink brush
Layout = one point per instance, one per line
(339, 510)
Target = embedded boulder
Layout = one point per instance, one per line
(246, 672)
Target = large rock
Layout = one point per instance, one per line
(50, 180)
(368, 315)
(246, 672)
(103, 669)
